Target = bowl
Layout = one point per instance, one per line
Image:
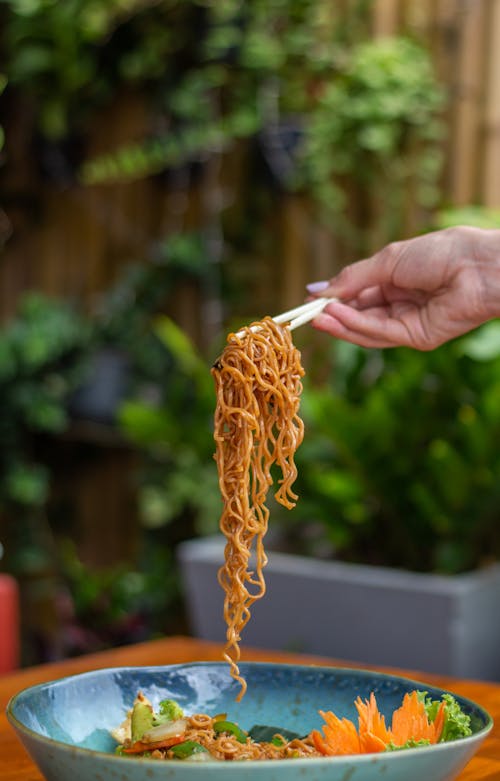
(64, 724)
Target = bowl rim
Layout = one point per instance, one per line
(391, 756)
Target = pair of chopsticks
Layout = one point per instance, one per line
(299, 315)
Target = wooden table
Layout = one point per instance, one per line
(15, 764)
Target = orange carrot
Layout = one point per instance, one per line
(340, 736)
(140, 746)
(373, 733)
(439, 720)
(410, 722)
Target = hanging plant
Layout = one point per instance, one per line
(375, 131)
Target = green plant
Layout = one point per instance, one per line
(246, 68)
(377, 125)
(70, 58)
(123, 314)
(400, 463)
(173, 432)
(42, 357)
(342, 116)
(119, 604)
(476, 215)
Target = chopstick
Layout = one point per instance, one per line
(303, 314)
(299, 315)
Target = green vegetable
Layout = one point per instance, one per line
(232, 729)
(261, 733)
(409, 744)
(142, 720)
(120, 750)
(169, 710)
(187, 749)
(456, 723)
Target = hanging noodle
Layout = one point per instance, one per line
(258, 386)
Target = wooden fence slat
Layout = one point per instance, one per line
(464, 169)
(297, 250)
(491, 185)
(385, 17)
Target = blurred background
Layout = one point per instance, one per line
(170, 169)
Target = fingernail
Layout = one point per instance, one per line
(317, 287)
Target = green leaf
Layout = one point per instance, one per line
(456, 724)
(483, 344)
(26, 485)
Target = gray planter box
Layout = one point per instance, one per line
(373, 615)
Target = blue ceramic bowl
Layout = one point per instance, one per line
(65, 724)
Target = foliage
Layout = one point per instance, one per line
(400, 464)
(72, 57)
(475, 215)
(123, 316)
(246, 68)
(173, 431)
(168, 403)
(118, 604)
(378, 124)
(334, 113)
(42, 354)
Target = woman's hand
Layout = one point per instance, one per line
(419, 293)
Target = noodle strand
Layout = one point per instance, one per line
(257, 424)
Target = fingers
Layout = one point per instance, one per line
(336, 328)
(368, 328)
(374, 272)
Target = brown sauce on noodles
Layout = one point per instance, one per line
(257, 424)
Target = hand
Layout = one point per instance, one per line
(418, 293)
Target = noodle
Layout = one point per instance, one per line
(258, 387)
(228, 747)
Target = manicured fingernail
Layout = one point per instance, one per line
(317, 287)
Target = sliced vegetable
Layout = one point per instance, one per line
(142, 719)
(231, 729)
(187, 749)
(168, 729)
(410, 727)
(340, 736)
(411, 722)
(261, 733)
(373, 733)
(139, 747)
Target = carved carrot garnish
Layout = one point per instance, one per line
(340, 736)
(373, 734)
(410, 724)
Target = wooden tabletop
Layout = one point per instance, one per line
(15, 764)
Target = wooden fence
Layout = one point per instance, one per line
(464, 37)
(72, 241)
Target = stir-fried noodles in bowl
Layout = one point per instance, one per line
(71, 726)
